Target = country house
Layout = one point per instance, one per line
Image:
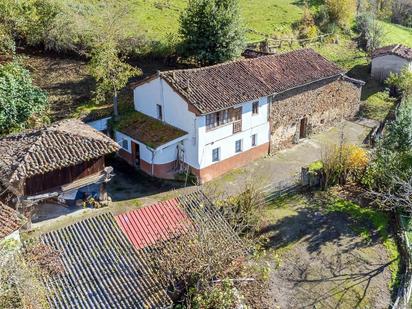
(390, 59)
(213, 119)
(53, 162)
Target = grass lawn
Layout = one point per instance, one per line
(395, 34)
(328, 252)
(159, 19)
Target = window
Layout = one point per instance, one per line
(238, 146)
(255, 108)
(159, 112)
(218, 119)
(125, 144)
(254, 140)
(216, 155)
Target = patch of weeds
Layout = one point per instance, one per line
(377, 106)
(380, 222)
(315, 166)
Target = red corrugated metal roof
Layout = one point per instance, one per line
(145, 226)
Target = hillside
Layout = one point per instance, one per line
(160, 18)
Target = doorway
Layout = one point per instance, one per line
(303, 128)
(136, 154)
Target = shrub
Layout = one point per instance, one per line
(341, 12)
(402, 81)
(21, 102)
(220, 295)
(344, 162)
(371, 32)
(242, 211)
(306, 26)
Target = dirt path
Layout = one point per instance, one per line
(325, 261)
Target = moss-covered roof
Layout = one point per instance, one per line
(147, 130)
(96, 113)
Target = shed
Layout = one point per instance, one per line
(390, 59)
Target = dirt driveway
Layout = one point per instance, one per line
(326, 259)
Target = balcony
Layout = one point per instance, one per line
(237, 126)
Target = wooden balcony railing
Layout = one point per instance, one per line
(237, 126)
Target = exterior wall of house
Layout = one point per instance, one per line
(322, 104)
(224, 139)
(156, 162)
(175, 112)
(99, 125)
(383, 65)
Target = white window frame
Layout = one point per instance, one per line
(159, 111)
(240, 141)
(125, 144)
(256, 103)
(253, 141)
(218, 154)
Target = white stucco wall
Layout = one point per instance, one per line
(175, 113)
(99, 125)
(383, 65)
(224, 138)
(199, 143)
(162, 155)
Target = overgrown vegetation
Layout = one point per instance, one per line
(22, 105)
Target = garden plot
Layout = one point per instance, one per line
(331, 254)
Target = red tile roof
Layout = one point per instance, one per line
(148, 225)
(397, 50)
(10, 220)
(221, 86)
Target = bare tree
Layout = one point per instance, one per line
(397, 196)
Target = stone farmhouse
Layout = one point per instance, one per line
(389, 59)
(53, 163)
(213, 119)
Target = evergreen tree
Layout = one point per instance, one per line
(212, 31)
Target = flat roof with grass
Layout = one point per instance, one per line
(147, 130)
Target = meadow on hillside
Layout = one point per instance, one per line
(159, 19)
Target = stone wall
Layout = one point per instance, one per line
(323, 104)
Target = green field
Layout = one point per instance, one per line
(160, 18)
(395, 34)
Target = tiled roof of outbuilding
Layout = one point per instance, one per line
(64, 143)
(221, 86)
(101, 269)
(10, 220)
(397, 50)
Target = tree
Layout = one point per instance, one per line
(20, 100)
(341, 12)
(398, 135)
(371, 32)
(402, 12)
(111, 73)
(402, 81)
(212, 30)
(107, 29)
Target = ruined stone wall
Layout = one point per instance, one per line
(323, 104)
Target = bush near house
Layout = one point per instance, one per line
(22, 104)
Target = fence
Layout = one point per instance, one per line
(275, 43)
(272, 191)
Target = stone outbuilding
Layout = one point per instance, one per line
(389, 59)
